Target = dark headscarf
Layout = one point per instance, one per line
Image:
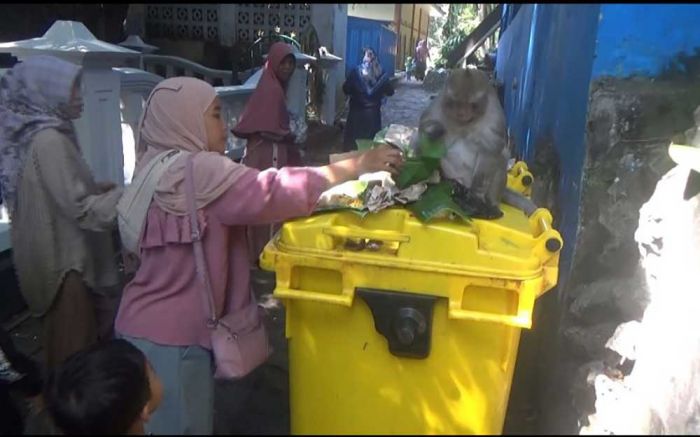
(266, 110)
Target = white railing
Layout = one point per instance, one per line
(175, 66)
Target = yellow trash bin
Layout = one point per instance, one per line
(395, 326)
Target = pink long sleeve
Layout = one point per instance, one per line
(261, 197)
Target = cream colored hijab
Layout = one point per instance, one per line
(174, 119)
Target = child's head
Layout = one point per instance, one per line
(109, 388)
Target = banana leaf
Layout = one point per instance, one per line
(437, 202)
(431, 149)
(346, 196)
(420, 168)
(379, 137)
(363, 144)
(361, 212)
(416, 170)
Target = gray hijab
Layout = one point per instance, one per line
(34, 95)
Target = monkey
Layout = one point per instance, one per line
(467, 116)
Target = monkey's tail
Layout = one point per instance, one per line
(517, 200)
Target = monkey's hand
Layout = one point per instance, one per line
(433, 129)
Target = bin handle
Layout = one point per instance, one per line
(541, 224)
(522, 319)
(344, 299)
(378, 234)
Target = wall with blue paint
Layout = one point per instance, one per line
(545, 59)
(645, 39)
(363, 32)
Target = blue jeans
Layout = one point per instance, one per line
(188, 388)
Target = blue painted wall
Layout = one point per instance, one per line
(363, 32)
(545, 59)
(644, 39)
(548, 54)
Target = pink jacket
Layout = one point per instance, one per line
(163, 303)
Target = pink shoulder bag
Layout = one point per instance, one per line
(239, 341)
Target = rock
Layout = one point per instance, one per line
(660, 395)
(596, 302)
(610, 300)
(582, 392)
(625, 339)
(611, 395)
(589, 342)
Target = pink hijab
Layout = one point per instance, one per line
(174, 119)
(266, 110)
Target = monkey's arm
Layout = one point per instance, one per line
(430, 122)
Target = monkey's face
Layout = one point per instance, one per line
(466, 96)
(463, 108)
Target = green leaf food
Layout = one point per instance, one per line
(379, 137)
(363, 145)
(436, 202)
(348, 195)
(416, 170)
(434, 149)
(422, 167)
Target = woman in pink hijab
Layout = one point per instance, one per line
(265, 123)
(162, 311)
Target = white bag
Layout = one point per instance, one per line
(133, 206)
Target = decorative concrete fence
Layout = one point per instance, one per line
(114, 94)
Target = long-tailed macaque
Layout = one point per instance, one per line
(468, 117)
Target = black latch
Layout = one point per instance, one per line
(405, 319)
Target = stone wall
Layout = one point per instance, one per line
(630, 124)
(656, 393)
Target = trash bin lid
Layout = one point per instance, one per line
(512, 247)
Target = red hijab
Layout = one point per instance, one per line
(266, 109)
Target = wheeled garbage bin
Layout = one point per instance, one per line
(396, 326)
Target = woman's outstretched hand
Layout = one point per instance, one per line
(384, 157)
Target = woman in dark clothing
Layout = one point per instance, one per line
(367, 85)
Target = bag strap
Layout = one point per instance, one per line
(133, 206)
(200, 261)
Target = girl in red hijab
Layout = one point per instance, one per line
(265, 123)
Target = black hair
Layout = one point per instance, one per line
(100, 390)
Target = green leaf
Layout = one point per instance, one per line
(361, 212)
(379, 137)
(416, 170)
(363, 144)
(436, 202)
(434, 149)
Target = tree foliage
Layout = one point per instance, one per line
(461, 20)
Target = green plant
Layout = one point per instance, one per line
(461, 20)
